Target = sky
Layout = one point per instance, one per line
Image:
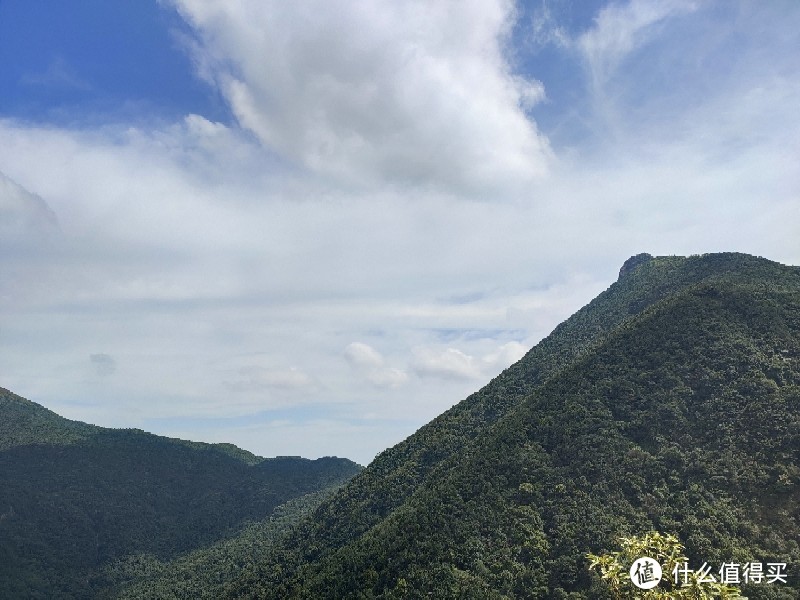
(308, 228)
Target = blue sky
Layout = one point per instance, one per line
(83, 63)
(309, 228)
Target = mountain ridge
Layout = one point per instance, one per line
(27, 422)
(75, 497)
(359, 542)
(671, 401)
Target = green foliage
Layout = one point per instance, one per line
(671, 402)
(614, 568)
(204, 573)
(74, 498)
(24, 422)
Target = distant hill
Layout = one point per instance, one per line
(75, 498)
(670, 402)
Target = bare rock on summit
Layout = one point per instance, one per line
(633, 262)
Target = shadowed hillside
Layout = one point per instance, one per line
(74, 497)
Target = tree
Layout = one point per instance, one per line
(668, 552)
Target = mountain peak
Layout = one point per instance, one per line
(656, 406)
(633, 262)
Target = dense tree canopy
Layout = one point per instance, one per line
(669, 403)
(74, 497)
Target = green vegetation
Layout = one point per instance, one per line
(671, 403)
(74, 498)
(667, 551)
(204, 574)
(24, 422)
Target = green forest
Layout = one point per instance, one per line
(76, 499)
(669, 403)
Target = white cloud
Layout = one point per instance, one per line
(371, 365)
(225, 281)
(360, 355)
(545, 30)
(505, 356)
(404, 93)
(452, 363)
(23, 215)
(387, 377)
(621, 28)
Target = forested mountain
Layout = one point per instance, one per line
(74, 498)
(206, 573)
(670, 402)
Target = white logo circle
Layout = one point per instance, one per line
(645, 573)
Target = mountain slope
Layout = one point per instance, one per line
(74, 497)
(670, 402)
(25, 422)
(204, 573)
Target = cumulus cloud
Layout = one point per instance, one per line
(211, 257)
(452, 363)
(362, 355)
(407, 93)
(387, 377)
(369, 363)
(505, 355)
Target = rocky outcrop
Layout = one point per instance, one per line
(633, 262)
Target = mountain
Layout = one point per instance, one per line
(205, 573)
(670, 402)
(75, 498)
